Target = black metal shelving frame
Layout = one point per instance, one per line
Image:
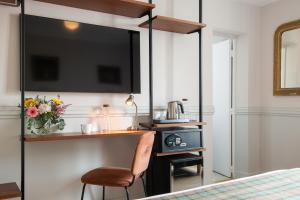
(151, 81)
(21, 3)
(151, 63)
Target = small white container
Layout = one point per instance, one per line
(86, 128)
(160, 114)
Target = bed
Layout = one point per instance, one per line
(281, 184)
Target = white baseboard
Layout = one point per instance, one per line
(241, 174)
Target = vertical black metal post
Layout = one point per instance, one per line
(200, 79)
(150, 65)
(149, 174)
(22, 82)
(200, 65)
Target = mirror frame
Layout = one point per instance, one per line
(277, 90)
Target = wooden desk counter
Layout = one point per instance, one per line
(79, 135)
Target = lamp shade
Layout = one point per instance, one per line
(130, 100)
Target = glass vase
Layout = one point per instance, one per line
(43, 128)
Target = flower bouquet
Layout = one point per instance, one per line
(43, 117)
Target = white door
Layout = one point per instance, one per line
(222, 84)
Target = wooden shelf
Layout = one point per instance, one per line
(9, 2)
(173, 25)
(128, 8)
(151, 126)
(72, 136)
(180, 152)
(9, 190)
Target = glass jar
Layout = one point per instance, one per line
(106, 117)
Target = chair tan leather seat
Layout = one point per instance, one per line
(109, 176)
(122, 177)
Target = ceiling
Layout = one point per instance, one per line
(257, 2)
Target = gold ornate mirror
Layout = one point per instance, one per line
(287, 59)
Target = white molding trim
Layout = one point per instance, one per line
(13, 112)
(247, 111)
(281, 111)
(269, 111)
(9, 112)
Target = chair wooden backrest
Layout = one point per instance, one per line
(142, 154)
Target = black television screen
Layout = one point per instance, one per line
(65, 56)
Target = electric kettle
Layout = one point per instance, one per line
(174, 109)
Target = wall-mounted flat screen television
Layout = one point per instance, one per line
(66, 56)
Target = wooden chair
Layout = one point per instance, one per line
(122, 177)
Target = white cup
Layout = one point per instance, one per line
(86, 128)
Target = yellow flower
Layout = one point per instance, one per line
(57, 101)
(30, 103)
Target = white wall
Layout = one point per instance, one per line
(280, 115)
(267, 131)
(243, 22)
(54, 168)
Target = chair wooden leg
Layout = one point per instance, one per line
(82, 193)
(103, 193)
(127, 194)
(144, 185)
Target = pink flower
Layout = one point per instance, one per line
(32, 112)
(61, 109)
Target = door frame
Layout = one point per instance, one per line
(233, 102)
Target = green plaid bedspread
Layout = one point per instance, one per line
(283, 184)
